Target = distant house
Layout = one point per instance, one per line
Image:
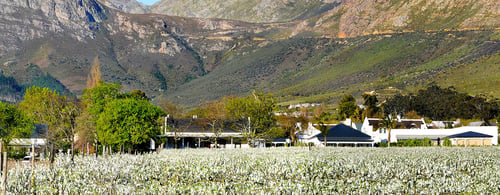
(197, 133)
(417, 129)
(338, 135)
(442, 124)
(471, 138)
(372, 127)
(343, 135)
(308, 135)
(304, 105)
(37, 138)
(478, 124)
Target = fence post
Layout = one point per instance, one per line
(33, 169)
(4, 174)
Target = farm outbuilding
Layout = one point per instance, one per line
(343, 135)
(471, 138)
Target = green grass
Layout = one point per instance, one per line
(322, 70)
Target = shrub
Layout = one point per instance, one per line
(446, 142)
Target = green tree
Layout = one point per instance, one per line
(13, 124)
(215, 115)
(128, 122)
(289, 123)
(323, 128)
(48, 107)
(96, 98)
(170, 108)
(94, 102)
(255, 114)
(347, 106)
(138, 94)
(370, 102)
(388, 123)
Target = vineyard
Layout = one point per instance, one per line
(269, 171)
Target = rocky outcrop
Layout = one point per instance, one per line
(22, 20)
(245, 10)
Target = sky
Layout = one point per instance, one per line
(148, 2)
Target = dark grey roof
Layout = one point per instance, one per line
(402, 124)
(343, 132)
(278, 139)
(469, 134)
(189, 125)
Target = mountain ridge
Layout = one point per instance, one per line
(193, 60)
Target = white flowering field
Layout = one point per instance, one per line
(271, 171)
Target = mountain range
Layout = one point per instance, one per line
(191, 52)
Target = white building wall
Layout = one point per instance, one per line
(488, 130)
(368, 129)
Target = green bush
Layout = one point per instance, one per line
(16, 155)
(446, 142)
(426, 142)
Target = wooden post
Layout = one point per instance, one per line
(4, 174)
(33, 168)
(1, 159)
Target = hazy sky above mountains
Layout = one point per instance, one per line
(148, 2)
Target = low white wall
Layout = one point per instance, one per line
(488, 130)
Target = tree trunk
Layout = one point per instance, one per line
(1, 158)
(72, 149)
(389, 138)
(52, 154)
(325, 141)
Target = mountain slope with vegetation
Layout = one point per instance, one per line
(348, 48)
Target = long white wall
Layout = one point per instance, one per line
(488, 130)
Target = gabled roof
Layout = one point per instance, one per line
(470, 134)
(343, 132)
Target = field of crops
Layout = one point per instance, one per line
(273, 170)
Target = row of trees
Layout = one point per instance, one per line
(253, 115)
(128, 121)
(434, 102)
(439, 103)
(347, 107)
(104, 116)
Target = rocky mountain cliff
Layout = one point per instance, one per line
(261, 11)
(324, 49)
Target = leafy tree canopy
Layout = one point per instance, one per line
(13, 123)
(347, 107)
(258, 107)
(443, 104)
(128, 122)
